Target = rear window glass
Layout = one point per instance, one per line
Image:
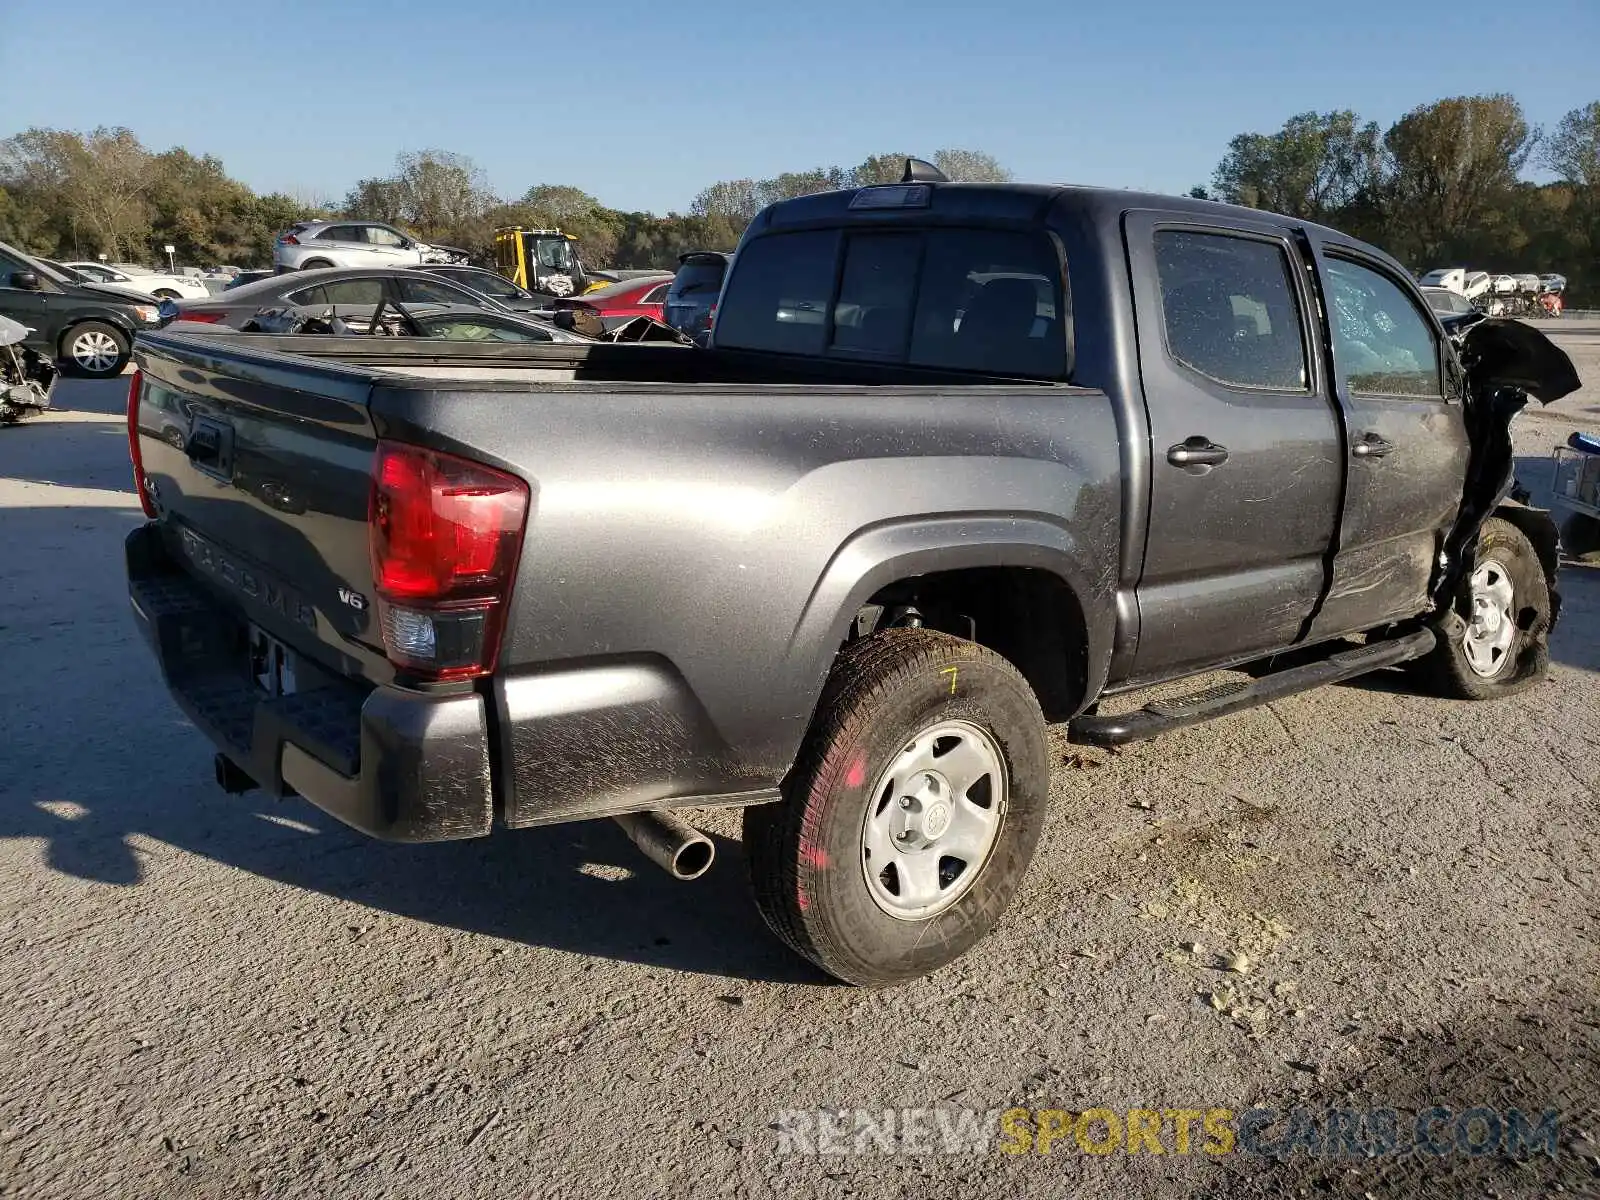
(966, 299)
(697, 277)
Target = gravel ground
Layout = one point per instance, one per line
(213, 996)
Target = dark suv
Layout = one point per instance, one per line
(90, 326)
(692, 299)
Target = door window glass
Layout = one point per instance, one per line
(431, 291)
(353, 291)
(377, 235)
(1381, 344)
(1230, 311)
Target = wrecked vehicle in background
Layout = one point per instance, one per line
(25, 376)
(957, 461)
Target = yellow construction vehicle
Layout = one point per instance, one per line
(541, 260)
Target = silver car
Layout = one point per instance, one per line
(312, 244)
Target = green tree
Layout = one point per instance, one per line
(1453, 166)
(1316, 165)
(971, 166)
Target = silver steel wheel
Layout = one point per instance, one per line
(95, 351)
(1492, 624)
(934, 820)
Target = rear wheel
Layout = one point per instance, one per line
(315, 264)
(95, 349)
(912, 814)
(167, 294)
(1494, 641)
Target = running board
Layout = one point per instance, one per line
(1161, 715)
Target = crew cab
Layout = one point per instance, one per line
(958, 461)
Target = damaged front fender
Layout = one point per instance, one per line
(1504, 363)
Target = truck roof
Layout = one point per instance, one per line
(1022, 202)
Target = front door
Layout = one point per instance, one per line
(1245, 473)
(40, 310)
(1406, 441)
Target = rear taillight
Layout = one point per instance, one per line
(204, 318)
(135, 452)
(288, 239)
(445, 534)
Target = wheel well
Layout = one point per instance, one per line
(1028, 616)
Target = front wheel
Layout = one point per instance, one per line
(912, 814)
(1494, 641)
(95, 349)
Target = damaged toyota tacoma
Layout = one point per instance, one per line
(960, 460)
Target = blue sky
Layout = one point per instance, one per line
(643, 104)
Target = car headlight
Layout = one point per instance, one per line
(148, 313)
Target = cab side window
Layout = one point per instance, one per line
(1228, 303)
(1382, 344)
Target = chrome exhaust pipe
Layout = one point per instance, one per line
(678, 849)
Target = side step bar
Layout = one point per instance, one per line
(1174, 713)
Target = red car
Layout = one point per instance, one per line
(619, 302)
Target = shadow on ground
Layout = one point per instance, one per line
(1538, 1054)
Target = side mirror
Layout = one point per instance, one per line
(26, 281)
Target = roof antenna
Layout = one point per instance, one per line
(921, 171)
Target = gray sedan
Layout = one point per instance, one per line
(336, 288)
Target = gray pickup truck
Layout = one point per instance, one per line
(960, 460)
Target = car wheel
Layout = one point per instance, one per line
(167, 294)
(95, 349)
(912, 813)
(1494, 641)
(315, 264)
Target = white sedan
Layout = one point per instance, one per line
(142, 279)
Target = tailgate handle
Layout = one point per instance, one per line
(210, 446)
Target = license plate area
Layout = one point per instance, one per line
(272, 664)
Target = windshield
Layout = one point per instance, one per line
(555, 254)
(61, 272)
(699, 277)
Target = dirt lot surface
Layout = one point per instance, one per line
(214, 996)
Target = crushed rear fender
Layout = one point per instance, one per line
(1504, 363)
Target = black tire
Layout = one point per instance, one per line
(1525, 660)
(315, 264)
(166, 294)
(807, 854)
(94, 350)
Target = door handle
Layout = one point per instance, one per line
(1197, 452)
(1370, 445)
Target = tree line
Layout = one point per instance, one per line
(1443, 186)
(72, 195)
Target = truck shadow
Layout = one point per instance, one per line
(581, 888)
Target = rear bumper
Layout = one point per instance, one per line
(394, 764)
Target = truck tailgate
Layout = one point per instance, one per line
(260, 469)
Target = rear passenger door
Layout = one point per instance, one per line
(1406, 436)
(1245, 473)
